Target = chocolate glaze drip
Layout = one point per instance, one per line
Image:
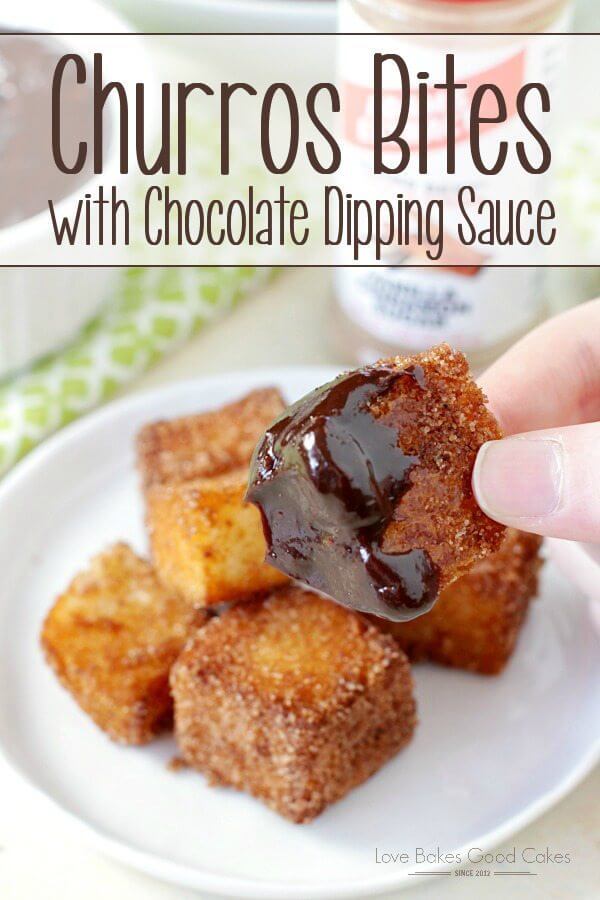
(326, 478)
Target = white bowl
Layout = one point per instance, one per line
(41, 308)
(236, 16)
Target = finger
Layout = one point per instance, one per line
(547, 482)
(552, 376)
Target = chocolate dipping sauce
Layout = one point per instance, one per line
(326, 478)
(28, 174)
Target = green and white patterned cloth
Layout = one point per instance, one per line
(151, 313)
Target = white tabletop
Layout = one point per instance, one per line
(287, 323)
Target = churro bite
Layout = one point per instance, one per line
(364, 485)
(207, 543)
(476, 621)
(207, 444)
(293, 699)
(112, 638)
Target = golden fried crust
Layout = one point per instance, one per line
(207, 444)
(207, 544)
(112, 638)
(443, 421)
(476, 621)
(293, 699)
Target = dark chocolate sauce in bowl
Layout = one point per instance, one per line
(29, 176)
(327, 477)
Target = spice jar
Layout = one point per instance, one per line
(480, 307)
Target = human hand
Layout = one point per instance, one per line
(544, 476)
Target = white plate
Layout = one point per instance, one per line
(489, 755)
(581, 564)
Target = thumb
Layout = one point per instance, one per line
(546, 481)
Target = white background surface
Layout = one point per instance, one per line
(287, 324)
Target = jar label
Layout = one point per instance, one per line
(474, 302)
(417, 308)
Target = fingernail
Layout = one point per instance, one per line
(519, 478)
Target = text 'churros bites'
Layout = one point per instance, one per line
(477, 619)
(206, 542)
(112, 638)
(293, 699)
(365, 484)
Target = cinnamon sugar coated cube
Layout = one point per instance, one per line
(293, 699)
(206, 444)
(365, 483)
(477, 619)
(444, 425)
(207, 544)
(111, 639)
